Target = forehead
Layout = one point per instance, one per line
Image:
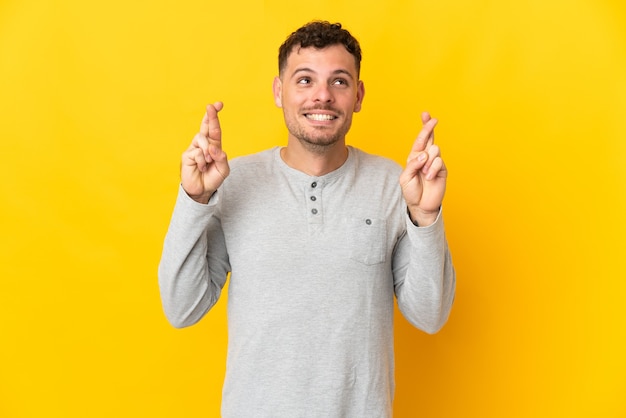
(332, 58)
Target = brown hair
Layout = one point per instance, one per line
(319, 34)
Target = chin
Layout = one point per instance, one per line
(318, 145)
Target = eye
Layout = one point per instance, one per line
(304, 80)
(340, 82)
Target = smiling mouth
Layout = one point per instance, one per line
(319, 117)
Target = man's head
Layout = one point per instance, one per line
(318, 86)
(319, 34)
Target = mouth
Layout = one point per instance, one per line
(320, 117)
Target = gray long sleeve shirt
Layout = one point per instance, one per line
(315, 263)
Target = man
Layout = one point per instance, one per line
(318, 237)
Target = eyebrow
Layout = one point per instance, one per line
(309, 70)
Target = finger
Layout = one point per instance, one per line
(425, 119)
(437, 169)
(210, 126)
(194, 157)
(201, 162)
(411, 171)
(433, 152)
(422, 140)
(414, 165)
(200, 141)
(221, 161)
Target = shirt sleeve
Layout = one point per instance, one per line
(424, 277)
(194, 262)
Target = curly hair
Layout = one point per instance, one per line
(319, 34)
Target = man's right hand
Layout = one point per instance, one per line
(204, 164)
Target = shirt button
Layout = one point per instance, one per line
(313, 198)
(314, 211)
(368, 221)
(314, 184)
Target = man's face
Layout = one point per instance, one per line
(318, 91)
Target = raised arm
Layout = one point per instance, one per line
(424, 277)
(194, 262)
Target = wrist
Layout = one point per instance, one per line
(421, 217)
(202, 198)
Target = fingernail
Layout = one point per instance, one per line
(421, 157)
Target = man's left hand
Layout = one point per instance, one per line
(423, 181)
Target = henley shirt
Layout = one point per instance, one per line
(314, 263)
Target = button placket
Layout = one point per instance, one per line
(314, 202)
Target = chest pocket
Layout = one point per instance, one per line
(367, 240)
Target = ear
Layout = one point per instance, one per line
(277, 87)
(360, 93)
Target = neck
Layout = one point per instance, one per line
(314, 162)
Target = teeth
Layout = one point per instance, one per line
(316, 116)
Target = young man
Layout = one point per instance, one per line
(318, 237)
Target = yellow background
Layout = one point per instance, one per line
(99, 99)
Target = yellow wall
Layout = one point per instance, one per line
(99, 99)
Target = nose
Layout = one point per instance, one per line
(323, 94)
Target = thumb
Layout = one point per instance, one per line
(413, 166)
